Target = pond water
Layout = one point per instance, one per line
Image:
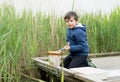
(60, 7)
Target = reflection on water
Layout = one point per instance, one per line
(60, 7)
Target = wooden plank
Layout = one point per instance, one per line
(67, 72)
(37, 59)
(113, 73)
(114, 79)
(43, 62)
(68, 76)
(94, 74)
(58, 68)
(104, 54)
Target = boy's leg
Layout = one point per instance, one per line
(67, 61)
(78, 61)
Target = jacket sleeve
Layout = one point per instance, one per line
(67, 40)
(80, 38)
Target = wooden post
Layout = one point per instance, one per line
(54, 58)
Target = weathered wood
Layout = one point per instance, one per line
(94, 74)
(104, 54)
(113, 75)
(67, 73)
(56, 71)
(110, 64)
(114, 79)
(46, 65)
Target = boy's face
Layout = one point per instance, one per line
(71, 23)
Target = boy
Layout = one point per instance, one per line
(78, 45)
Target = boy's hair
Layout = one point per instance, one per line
(71, 14)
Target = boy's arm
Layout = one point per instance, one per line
(80, 38)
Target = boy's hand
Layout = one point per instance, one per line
(67, 47)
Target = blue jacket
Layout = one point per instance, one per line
(78, 40)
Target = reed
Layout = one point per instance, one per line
(24, 35)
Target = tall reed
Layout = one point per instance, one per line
(24, 35)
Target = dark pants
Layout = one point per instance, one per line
(72, 61)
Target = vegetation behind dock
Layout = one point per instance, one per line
(24, 35)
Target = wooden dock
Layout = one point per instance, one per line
(108, 70)
(110, 64)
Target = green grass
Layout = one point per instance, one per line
(25, 35)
